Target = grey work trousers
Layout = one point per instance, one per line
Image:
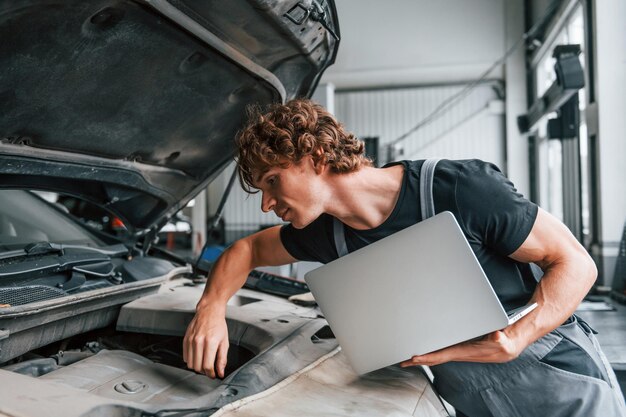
(532, 385)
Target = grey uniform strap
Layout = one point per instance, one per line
(427, 175)
(340, 238)
(426, 200)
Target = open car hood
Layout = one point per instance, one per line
(133, 105)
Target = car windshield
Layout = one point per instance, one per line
(25, 218)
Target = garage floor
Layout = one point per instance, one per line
(611, 328)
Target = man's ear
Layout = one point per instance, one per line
(319, 162)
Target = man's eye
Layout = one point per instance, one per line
(271, 180)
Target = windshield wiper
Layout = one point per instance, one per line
(49, 248)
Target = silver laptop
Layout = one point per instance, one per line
(416, 291)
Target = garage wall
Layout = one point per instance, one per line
(473, 129)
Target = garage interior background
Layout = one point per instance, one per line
(399, 62)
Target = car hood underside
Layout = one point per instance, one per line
(134, 105)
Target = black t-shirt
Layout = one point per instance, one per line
(494, 217)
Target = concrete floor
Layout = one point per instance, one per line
(611, 328)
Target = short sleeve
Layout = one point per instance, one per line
(491, 209)
(311, 243)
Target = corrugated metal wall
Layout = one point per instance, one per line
(472, 129)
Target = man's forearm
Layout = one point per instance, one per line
(232, 268)
(558, 294)
(569, 273)
(227, 276)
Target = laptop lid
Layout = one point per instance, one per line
(413, 292)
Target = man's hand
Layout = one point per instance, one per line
(205, 346)
(496, 347)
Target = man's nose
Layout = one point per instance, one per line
(267, 202)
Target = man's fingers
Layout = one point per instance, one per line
(201, 343)
(208, 361)
(189, 352)
(186, 346)
(407, 363)
(200, 354)
(495, 348)
(427, 360)
(415, 360)
(433, 358)
(221, 359)
(197, 352)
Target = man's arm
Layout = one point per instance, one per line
(569, 273)
(205, 345)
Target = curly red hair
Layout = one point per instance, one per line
(286, 133)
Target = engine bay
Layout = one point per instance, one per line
(133, 364)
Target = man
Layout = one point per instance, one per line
(310, 170)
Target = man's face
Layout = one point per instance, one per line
(295, 193)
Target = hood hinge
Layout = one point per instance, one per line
(299, 14)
